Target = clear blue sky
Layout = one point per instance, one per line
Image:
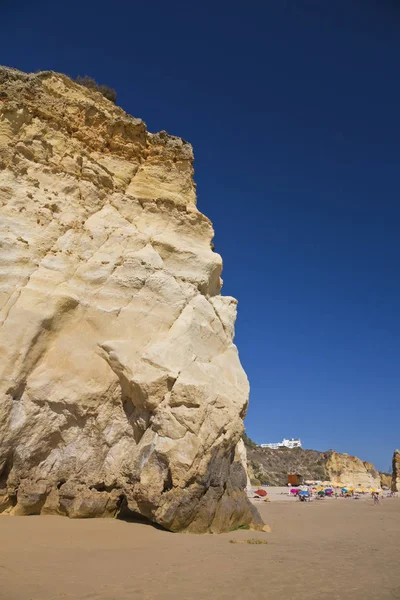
(293, 108)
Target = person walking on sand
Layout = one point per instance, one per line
(375, 496)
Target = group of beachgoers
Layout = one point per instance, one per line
(308, 493)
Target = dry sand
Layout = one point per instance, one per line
(276, 493)
(334, 549)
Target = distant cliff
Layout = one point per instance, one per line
(396, 471)
(266, 466)
(346, 470)
(386, 480)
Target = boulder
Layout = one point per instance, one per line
(121, 388)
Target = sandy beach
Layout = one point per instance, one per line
(332, 549)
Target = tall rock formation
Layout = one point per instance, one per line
(396, 471)
(121, 388)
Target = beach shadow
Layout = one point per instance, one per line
(130, 516)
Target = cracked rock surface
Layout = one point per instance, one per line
(121, 390)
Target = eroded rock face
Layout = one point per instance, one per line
(350, 471)
(396, 471)
(386, 480)
(120, 383)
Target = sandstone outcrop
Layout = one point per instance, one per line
(396, 471)
(386, 480)
(121, 388)
(350, 471)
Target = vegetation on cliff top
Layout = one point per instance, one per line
(248, 442)
(89, 82)
(272, 466)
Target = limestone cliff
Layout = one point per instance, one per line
(351, 471)
(272, 467)
(396, 471)
(121, 388)
(386, 480)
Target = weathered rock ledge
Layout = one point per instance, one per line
(121, 389)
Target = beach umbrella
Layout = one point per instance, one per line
(294, 491)
(344, 490)
(304, 493)
(261, 493)
(321, 493)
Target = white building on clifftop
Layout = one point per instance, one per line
(292, 443)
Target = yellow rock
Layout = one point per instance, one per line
(349, 471)
(121, 388)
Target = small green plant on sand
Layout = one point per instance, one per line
(254, 541)
(244, 527)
